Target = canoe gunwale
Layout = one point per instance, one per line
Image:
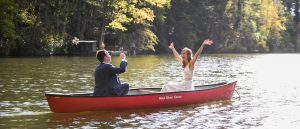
(88, 95)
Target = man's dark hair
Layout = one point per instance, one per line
(100, 55)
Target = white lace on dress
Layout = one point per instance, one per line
(186, 84)
(187, 73)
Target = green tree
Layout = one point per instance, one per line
(258, 24)
(117, 14)
(189, 22)
(293, 25)
(47, 24)
(7, 26)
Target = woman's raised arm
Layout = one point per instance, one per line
(175, 53)
(205, 42)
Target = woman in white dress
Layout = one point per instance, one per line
(188, 65)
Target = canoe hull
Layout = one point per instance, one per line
(66, 103)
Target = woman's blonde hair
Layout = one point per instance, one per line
(189, 53)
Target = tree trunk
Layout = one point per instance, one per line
(238, 13)
(102, 36)
(298, 24)
(78, 23)
(83, 28)
(298, 38)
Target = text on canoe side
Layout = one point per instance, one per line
(169, 97)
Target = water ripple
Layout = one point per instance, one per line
(267, 84)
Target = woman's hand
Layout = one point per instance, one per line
(175, 53)
(171, 46)
(208, 42)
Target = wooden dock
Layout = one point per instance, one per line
(116, 53)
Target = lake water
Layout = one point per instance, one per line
(268, 84)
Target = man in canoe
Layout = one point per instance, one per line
(106, 76)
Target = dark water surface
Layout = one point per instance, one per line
(268, 84)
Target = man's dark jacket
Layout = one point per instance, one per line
(107, 80)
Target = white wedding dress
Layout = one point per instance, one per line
(186, 84)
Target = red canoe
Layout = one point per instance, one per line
(139, 99)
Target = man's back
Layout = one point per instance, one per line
(107, 82)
